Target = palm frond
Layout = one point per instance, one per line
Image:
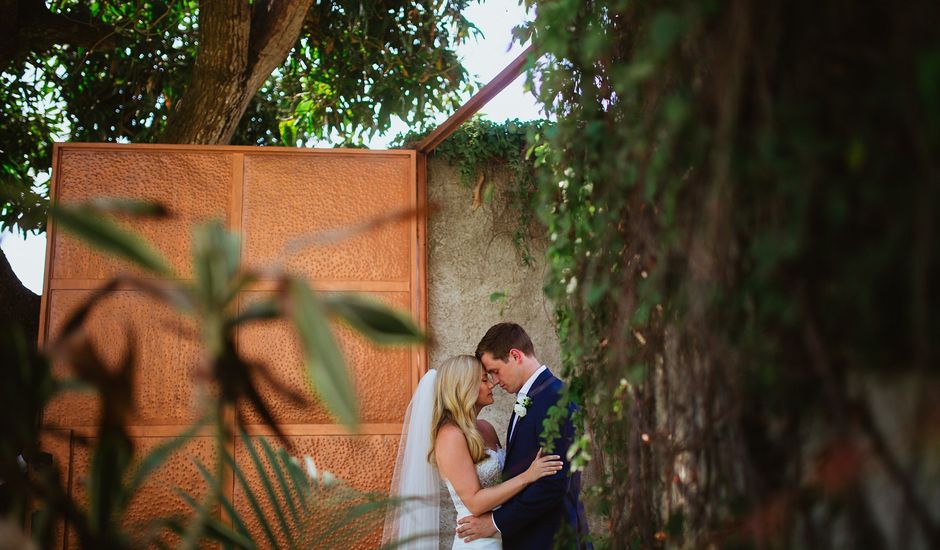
(305, 512)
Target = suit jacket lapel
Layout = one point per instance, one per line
(513, 433)
(509, 429)
(540, 384)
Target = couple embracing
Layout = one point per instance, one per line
(513, 498)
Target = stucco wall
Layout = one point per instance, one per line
(469, 258)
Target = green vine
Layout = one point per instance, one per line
(480, 146)
(740, 199)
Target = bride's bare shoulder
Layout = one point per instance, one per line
(489, 433)
(450, 433)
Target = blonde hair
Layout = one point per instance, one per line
(455, 395)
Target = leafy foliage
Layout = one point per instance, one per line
(739, 199)
(128, 91)
(355, 65)
(26, 135)
(361, 63)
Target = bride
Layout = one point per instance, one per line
(441, 429)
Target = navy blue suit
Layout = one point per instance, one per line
(530, 519)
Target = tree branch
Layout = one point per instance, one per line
(28, 26)
(275, 27)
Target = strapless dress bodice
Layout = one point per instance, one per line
(489, 471)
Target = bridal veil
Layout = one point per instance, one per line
(414, 523)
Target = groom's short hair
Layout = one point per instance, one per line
(503, 337)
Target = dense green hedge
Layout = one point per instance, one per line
(741, 206)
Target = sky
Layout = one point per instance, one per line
(483, 57)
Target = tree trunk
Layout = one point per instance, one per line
(18, 305)
(239, 47)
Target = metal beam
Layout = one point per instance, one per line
(470, 108)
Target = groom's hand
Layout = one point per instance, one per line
(472, 528)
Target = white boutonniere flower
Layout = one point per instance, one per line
(522, 405)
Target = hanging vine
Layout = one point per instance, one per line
(478, 148)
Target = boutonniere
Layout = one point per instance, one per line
(522, 405)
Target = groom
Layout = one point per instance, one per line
(531, 519)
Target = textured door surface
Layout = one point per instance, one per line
(272, 196)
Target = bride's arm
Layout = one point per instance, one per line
(454, 462)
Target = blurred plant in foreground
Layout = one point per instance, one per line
(304, 509)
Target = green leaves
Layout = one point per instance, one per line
(665, 29)
(258, 311)
(20, 205)
(105, 488)
(87, 224)
(364, 66)
(380, 323)
(325, 365)
(501, 299)
(130, 207)
(216, 261)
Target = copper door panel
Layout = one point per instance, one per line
(289, 196)
(195, 186)
(157, 498)
(272, 196)
(381, 374)
(166, 352)
(363, 461)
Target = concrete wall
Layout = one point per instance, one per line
(470, 256)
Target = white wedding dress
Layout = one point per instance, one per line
(414, 523)
(489, 471)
